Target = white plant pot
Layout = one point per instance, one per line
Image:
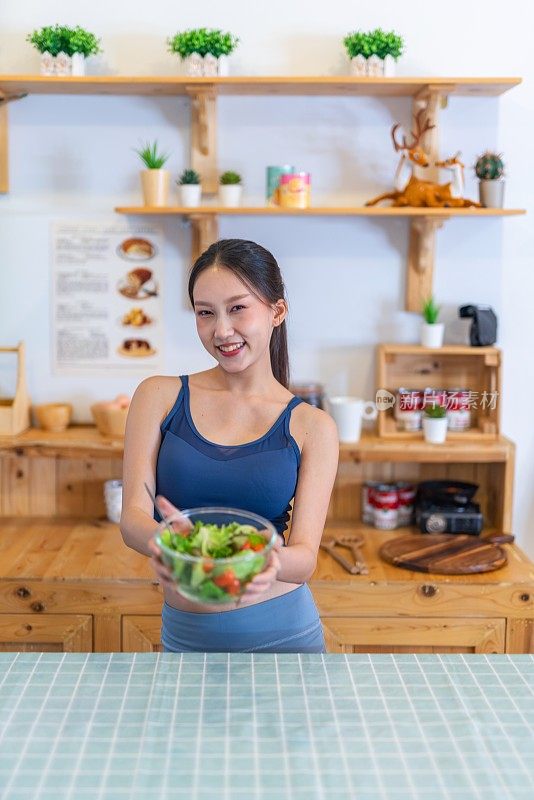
(193, 65)
(435, 430)
(47, 64)
(491, 193)
(230, 195)
(190, 194)
(63, 64)
(358, 66)
(223, 66)
(197, 66)
(210, 66)
(375, 66)
(432, 335)
(78, 61)
(155, 186)
(390, 67)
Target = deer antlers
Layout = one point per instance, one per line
(420, 130)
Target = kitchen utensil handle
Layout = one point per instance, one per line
(330, 548)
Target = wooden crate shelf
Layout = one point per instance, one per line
(449, 367)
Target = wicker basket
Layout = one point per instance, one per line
(109, 421)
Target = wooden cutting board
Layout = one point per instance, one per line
(446, 553)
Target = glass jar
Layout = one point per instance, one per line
(312, 393)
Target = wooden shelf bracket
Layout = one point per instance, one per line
(432, 99)
(4, 139)
(204, 230)
(204, 135)
(421, 253)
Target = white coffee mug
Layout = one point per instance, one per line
(348, 413)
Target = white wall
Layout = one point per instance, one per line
(71, 157)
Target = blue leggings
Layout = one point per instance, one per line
(286, 624)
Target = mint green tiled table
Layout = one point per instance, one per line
(266, 727)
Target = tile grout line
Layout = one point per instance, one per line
(36, 720)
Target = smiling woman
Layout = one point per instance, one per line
(233, 436)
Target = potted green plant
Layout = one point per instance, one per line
(230, 189)
(190, 188)
(154, 179)
(64, 50)
(435, 424)
(204, 51)
(489, 169)
(373, 53)
(431, 330)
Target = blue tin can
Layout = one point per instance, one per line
(273, 178)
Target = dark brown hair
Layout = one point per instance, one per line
(259, 270)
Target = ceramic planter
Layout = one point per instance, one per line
(62, 64)
(491, 193)
(47, 64)
(373, 66)
(435, 429)
(230, 194)
(197, 66)
(155, 186)
(78, 64)
(190, 194)
(432, 335)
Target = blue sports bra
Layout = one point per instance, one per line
(259, 476)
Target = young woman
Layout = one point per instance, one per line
(234, 436)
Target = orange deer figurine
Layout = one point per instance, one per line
(417, 192)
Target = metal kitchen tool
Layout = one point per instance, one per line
(351, 543)
(165, 519)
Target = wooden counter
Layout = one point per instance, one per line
(74, 586)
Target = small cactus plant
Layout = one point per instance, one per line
(435, 411)
(489, 167)
(230, 178)
(188, 177)
(430, 311)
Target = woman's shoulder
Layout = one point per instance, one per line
(158, 392)
(314, 426)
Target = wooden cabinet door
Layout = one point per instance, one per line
(52, 633)
(141, 634)
(414, 635)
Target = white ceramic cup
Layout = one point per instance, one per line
(348, 413)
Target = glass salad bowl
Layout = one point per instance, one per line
(213, 562)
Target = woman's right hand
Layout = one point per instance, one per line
(179, 524)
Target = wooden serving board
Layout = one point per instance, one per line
(446, 553)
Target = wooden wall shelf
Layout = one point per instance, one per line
(171, 85)
(424, 223)
(428, 93)
(319, 211)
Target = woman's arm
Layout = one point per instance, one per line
(150, 404)
(317, 473)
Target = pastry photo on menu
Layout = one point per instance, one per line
(138, 284)
(136, 318)
(136, 348)
(136, 249)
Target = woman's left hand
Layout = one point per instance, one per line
(264, 580)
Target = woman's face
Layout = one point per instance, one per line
(233, 324)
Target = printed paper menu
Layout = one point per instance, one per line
(107, 310)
